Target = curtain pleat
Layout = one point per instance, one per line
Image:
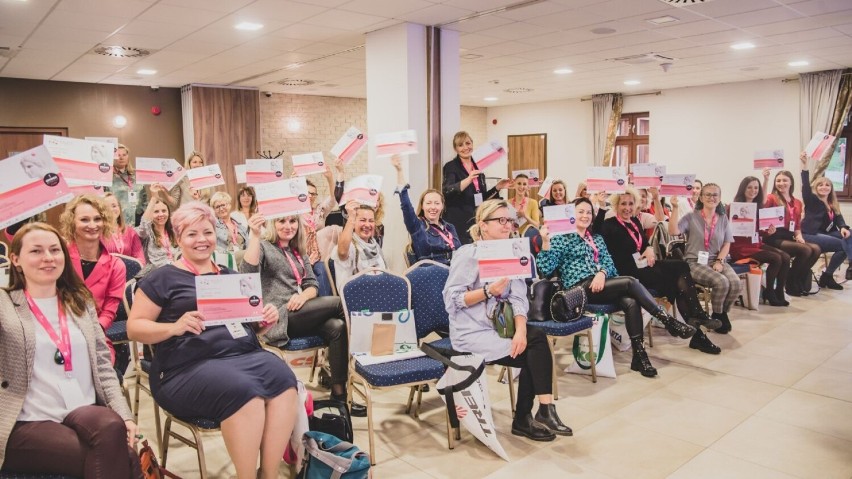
(602, 113)
(841, 111)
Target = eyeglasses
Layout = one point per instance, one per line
(218, 207)
(710, 195)
(503, 220)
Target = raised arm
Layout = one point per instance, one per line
(252, 254)
(765, 185)
(345, 238)
(674, 227)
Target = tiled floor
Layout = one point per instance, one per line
(776, 403)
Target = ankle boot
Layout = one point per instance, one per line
(726, 323)
(779, 293)
(527, 426)
(640, 361)
(699, 318)
(827, 281)
(673, 326)
(770, 297)
(548, 418)
(701, 342)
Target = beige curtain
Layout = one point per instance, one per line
(612, 129)
(817, 97)
(606, 109)
(841, 111)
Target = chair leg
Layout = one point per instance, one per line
(199, 447)
(650, 337)
(509, 374)
(592, 355)
(410, 400)
(164, 445)
(372, 439)
(314, 366)
(450, 432)
(419, 402)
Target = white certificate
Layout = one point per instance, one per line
(819, 145)
(485, 155)
(205, 176)
(677, 185)
(544, 189)
(30, 182)
(349, 145)
(611, 179)
(768, 159)
(560, 219)
(283, 198)
(401, 328)
(309, 164)
(647, 175)
(103, 139)
(240, 173)
(396, 143)
(743, 217)
(508, 258)
(364, 189)
(81, 162)
(771, 217)
(229, 298)
(534, 178)
(264, 171)
(165, 171)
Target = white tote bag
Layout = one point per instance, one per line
(601, 351)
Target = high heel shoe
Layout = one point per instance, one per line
(673, 326)
(770, 297)
(640, 361)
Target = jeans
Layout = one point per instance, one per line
(832, 242)
(322, 279)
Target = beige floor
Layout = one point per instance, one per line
(776, 403)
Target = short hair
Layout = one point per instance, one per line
(220, 196)
(486, 209)
(191, 156)
(298, 242)
(66, 219)
(190, 213)
(460, 137)
(615, 199)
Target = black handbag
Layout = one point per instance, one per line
(568, 304)
(541, 294)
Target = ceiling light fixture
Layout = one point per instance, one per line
(146, 71)
(798, 63)
(490, 98)
(742, 46)
(632, 82)
(663, 20)
(563, 71)
(248, 26)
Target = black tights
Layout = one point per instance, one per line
(629, 294)
(805, 256)
(536, 365)
(324, 316)
(777, 267)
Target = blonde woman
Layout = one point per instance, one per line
(132, 196)
(125, 240)
(231, 236)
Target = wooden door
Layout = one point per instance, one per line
(527, 152)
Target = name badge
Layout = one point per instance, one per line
(792, 226)
(829, 227)
(237, 330)
(69, 388)
(640, 261)
(703, 257)
(477, 199)
(132, 197)
(755, 238)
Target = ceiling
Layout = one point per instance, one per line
(194, 41)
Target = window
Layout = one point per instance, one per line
(840, 166)
(632, 140)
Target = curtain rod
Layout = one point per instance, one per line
(655, 93)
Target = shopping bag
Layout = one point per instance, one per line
(751, 287)
(601, 352)
(618, 331)
(295, 452)
(466, 394)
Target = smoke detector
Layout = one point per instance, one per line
(122, 52)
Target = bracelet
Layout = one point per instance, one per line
(487, 293)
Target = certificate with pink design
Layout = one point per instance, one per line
(508, 258)
(396, 143)
(364, 189)
(647, 175)
(485, 155)
(768, 159)
(349, 145)
(30, 182)
(560, 219)
(229, 298)
(205, 176)
(771, 217)
(309, 164)
(611, 179)
(283, 198)
(165, 171)
(677, 185)
(82, 162)
(264, 170)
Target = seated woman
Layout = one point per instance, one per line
(633, 256)
(431, 236)
(651, 211)
(777, 262)
(823, 224)
(582, 259)
(231, 237)
(315, 221)
(708, 240)
(789, 237)
(155, 231)
(357, 248)
(85, 223)
(63, 409)
(468, 301)
(556, 196)
(290, 285)
(218, 372)
(528, 213)
(124, 240)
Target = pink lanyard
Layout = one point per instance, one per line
(830, 213)
(296, 274)
(691, 203)
(126, 180)
(309, 220)
(194, 271)
(232, 229)
(447, 237)
(791, 210)
(118, 240)
(709, 235)
(523, 205)
(469, 169)
(636, 235)
(591, 242)
(166, 244)
(63, 344)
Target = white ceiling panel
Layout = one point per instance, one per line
(111, 8)
(302, 31)
(573, 19)
(515, 31)
(152, 42)
(81, 76)
(612, 9)
(180, 15)
(533, 11)
(343, 20)
(720, 8)
(821, 7)
(281, 11)
(224, 6)
(478, 24)
(84, 21)
(436, 14)
(385, 8)
(761, 17)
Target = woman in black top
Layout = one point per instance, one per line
(464, 186)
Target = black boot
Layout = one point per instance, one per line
(702, 343)
(673, 326)
(528, 427)
(548, 418)
(640, 361)
(355, 409)
(827, 281)
(770, 297)
(699, 317)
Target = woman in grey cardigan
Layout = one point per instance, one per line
(288, 281)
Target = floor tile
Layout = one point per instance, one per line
(711, 464)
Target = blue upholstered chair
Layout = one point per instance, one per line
(299, 345)
(196, 426)
(132, 266)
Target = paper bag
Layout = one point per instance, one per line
(383, 337)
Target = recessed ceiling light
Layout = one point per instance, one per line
(742, 46)
(491, 98)
(632, 82)
(146, 71)
(663, 20)
(799, 63)
(563, 71)
(248, 26)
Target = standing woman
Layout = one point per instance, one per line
(155, 231)
(132, 196)
(125, 240)
(789, 237)
(230, 235)
(246, 206)
(823, 224)
(63, 409)
(528, 212)
(777, 261)
(708, 240)
(431, 236)
(582, 259)
(217, 372)
(464, 186)
(85, 222)
(469, 301)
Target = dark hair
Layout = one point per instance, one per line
(253, 204)
(577, 201)
(740, 196)
(699, 205)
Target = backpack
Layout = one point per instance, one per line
(327, 457)
(331, 417)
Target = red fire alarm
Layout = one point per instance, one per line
(494, 121)
(155, 110)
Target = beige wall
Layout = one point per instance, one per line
(474, 120)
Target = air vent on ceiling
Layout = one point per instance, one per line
(471, 56)
(518, 90)
(122, 52)
(684, 3)
(7, 52)
(643, 59)
(295, 82)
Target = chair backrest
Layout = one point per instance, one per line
(409, 256)
(332, 276)
(428, 279)
(129, 290)
(376, 290)
(4, 249)
(132, 266)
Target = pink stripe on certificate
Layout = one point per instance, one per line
(556, 227)
(153, 176)
(765, 223)
(396, 148)
(34, 197)
(229, 309)
(489, 159)
(350, 151)
(84, 170)
(676, 190)
(598, 184)
(504, 267)
(647, 181)
(768, 163)
(361, 195)
(253, 177)
(283, 206)
(206, 181)
(308, 169)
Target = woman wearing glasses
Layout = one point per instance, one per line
(230, 235)
(469, 301)
(708, 240)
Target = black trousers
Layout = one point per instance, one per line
(805, 256)
(630, 296)
(324, 316)
(536, 365)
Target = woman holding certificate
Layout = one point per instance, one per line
(708, 240)
(582, 259)
(464, 186)
(63, 409)
(431, 236)
(125, 240)
(279, 254)
(357, 248)
(216, 372)
(469, 301)
(155, 231)
(528, 212)
(558, 193)
(132, 196)
(230, 235)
